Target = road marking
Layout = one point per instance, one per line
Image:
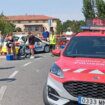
(27, 64)
(2, 92)
(13, 74)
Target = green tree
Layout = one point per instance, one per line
(5, 25)
(59, 27)
(66, 25)
(74, 25)
(100, 5)
(18, 29)
(88, 9)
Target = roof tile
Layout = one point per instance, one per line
(29, 17)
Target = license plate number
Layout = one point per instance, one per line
(90, 101)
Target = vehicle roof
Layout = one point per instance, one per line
(19, 35)
(89, 33)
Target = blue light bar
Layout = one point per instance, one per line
(92, 28)
(85, 27)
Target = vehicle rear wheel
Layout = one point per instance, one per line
(47, 49)
(45, 95)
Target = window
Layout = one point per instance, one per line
(24, 38)
(19, 21)
(30, 21)
(86, 46)
(16, 38)
(37, 39)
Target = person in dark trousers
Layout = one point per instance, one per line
(52, 40)
(31, 41)
(45, 34)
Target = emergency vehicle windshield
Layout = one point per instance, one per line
(86, 46)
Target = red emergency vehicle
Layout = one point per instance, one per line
(78, 76)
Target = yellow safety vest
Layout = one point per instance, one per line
(52, 39)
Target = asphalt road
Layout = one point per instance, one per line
(22, 81)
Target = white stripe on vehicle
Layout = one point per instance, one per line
(66, 70)
(96, 72)
(79, 70)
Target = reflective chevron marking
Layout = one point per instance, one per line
(96, 72)
(79, 70)
(66, 70)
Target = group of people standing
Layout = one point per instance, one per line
(47, 36)
(50, 37)
(11, 44)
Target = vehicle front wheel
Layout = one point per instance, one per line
(47, 49)
(45, 95)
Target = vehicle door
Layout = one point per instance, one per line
(39, 46)
(24, 39)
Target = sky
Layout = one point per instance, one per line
(62, 9)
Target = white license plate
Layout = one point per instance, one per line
(90, 101)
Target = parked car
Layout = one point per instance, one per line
(20, 39)
(41, 45)
(78, 76)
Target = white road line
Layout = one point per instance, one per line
(27, 64)
(2, 92)
(13, 74)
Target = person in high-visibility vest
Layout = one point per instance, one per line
(52, 40)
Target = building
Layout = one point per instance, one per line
(34, 23)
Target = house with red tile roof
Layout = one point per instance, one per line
(34, 23)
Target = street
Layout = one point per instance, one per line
(22, 81)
